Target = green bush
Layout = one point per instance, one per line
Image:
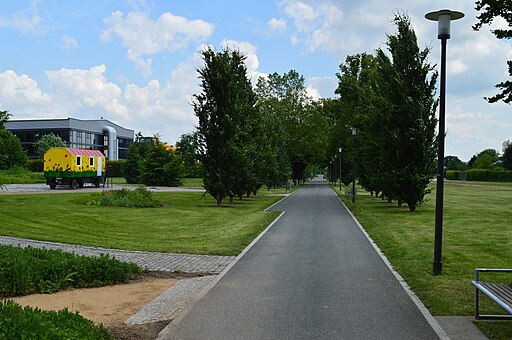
(138, 198)
(500, 176)
(18, 322)
(486, 175)
(452, 174)
(35, 165)
(478, 175)
(20, 175)
(31, 270)
(116, 168)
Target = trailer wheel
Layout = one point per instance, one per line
(81, 185)
(97, 183)
(74, 184)
(53, 184)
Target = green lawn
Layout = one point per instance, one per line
(188, 222)
(476, 233)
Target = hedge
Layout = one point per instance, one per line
(452, 174)
(116, 168)
(35, 165)
(482, 175)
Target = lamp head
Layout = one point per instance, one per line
(443, 18)
(353, 131)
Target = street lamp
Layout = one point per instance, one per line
(339, 149)
(354, 166)
(443, 17)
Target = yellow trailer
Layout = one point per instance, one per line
(73, 167)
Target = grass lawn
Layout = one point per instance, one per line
(476, 233)
(188, 223)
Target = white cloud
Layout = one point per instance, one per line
(278, 25)
(25, 22)
(21, 95)
(143, 36)
(87, 89)
(251, 62)
(304, 15)
(144, 66)
(69, 42)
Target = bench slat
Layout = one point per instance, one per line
(504, 292)
(497, 292)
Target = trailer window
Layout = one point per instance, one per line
(78, 160)
(91, 161)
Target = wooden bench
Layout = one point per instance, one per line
(499, 293)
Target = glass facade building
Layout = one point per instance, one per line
(112, 139)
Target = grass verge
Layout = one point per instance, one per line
(476, 233)
(187, 223)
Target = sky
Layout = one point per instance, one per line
(134, 62)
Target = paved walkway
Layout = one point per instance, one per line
(150, 260)
(313, 275)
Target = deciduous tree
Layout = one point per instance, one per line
(489, 11)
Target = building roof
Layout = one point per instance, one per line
(85, 152)
(93, 125)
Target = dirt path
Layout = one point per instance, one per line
(110, 305)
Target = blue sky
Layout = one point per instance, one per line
(134, 62)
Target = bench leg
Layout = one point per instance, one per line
(477, 314)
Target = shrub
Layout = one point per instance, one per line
(138, 198)
(478, 175)
(35, 165)
(11, 152)
(116, 168)
(18, 322)
(500, 176)
(31, 270)
(452, 174)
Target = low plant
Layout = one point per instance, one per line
(137, 198)
(31, 270)
(18, 322)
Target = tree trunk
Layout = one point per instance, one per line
(219, 200)
(412, 206)
(231, 198)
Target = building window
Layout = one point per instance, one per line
(91, 161)
(78, 160)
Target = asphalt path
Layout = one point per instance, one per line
(313, 275)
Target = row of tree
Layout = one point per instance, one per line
(249, 137)
(387, 100)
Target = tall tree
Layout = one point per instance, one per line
(490, 10)
(507, 157)
(4, 117)
(187, 148)
(11, 151)
(226, 97)
(302, 124)
(46, 142)
(161, 166)
(132, 167)
(408, 82)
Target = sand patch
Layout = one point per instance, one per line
(110, 305)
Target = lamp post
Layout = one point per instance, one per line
(339, 149)
(354, 166)
(330, 171)
(443, 18)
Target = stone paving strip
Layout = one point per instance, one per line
(150, 260)
(171, 302)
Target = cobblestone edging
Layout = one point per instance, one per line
(171, 302)
(150, 260)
